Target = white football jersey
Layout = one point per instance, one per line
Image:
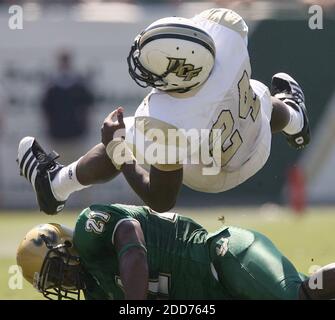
(225, 101)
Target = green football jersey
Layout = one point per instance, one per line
(177, 253)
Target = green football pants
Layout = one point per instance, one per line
(249, 266)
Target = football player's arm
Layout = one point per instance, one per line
(92, 290)
(159, 188)
(130, 245)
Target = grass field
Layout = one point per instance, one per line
(307, 240)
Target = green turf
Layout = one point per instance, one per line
(305, 240)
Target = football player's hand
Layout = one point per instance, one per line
(113, 126)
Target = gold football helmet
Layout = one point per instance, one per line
(50, 263)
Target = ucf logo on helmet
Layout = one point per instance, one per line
(182, 70)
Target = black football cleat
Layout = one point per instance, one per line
(40, 168)
(285, 88)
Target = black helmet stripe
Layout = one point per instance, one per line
(177, 26)
(178, 36)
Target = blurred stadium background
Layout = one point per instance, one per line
(98, 35)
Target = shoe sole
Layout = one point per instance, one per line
(285, 76)
(293, 83)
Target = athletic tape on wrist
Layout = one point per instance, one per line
(119, 153)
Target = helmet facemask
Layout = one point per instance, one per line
(142, 76)
(60, 276)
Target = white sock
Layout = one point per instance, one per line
(296, 122)
(66, 182)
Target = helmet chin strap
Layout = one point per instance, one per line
(182, 90)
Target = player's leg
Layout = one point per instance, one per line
(95, 167)
(280, 116)
(92, 168)
(253, 268)
(289, 113)
(53, 182)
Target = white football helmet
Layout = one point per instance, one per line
(172, 54)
